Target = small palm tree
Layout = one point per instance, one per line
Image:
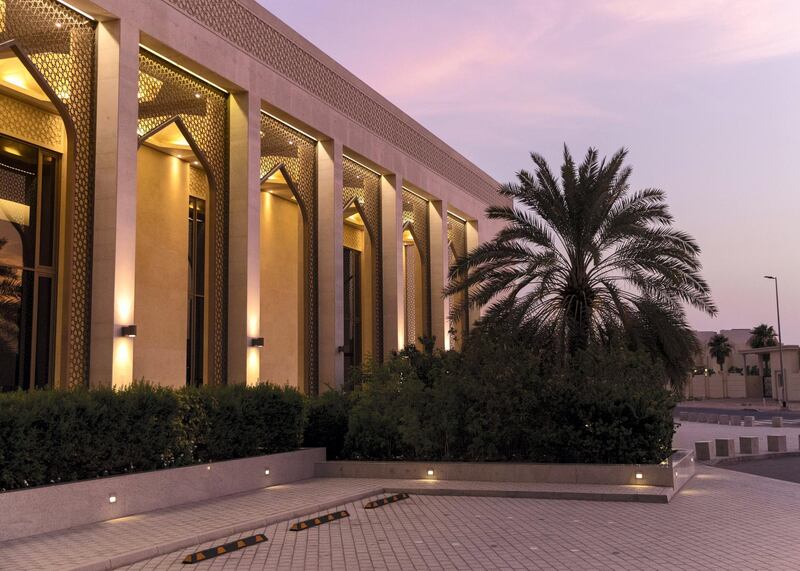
(763, 335)
(720, 349)
(584, 255)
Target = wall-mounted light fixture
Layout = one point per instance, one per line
(430, 473)
(112, 498)
(639, 476)
(257, 342)
(266, 472)
(129, 331)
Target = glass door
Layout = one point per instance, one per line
(28, 207)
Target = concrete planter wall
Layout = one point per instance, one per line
(673, 474)
(50, 508)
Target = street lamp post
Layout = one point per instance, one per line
(784, 382)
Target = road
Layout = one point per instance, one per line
(744, 411)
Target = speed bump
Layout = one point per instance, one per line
(314, 522)
(223, 549)
(387, 500)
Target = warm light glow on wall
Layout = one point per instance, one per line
(123, 362)
(252, 326)
(124, 309)
(253, 365)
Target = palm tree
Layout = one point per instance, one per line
(720, 349)
(763, 336)
(584, 256)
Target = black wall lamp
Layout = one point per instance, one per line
(257, 342)
(129, 331)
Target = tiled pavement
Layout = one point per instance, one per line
(112, 543)
(721, 520)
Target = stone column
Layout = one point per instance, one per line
(394, 300)
(329, 269)
(244, 276)
(439, 256)
(114, 250)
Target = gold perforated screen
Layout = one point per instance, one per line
(60, 44)
(296, 156)
(457, 239)
(415, 219)
(362, 186)
(167, 93)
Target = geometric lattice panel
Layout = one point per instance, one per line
(415, 219)
(236, 22)
(362, 188)
(60, 45)
(167, 94)
(457, 241)
(295, 155)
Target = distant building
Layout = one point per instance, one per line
(747, 372)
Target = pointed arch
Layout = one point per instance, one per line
(281, 167)
(187, 134)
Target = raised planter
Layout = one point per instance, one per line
(672, 474)
(49, 508)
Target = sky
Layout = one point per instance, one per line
(705, 95)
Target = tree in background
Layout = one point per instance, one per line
(584, 259)
(720, 349)
(763, 336)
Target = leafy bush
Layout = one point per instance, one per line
(59, 436)
(501, 400)
(328, 418)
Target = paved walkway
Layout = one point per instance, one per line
(109, 544)
(721, 520)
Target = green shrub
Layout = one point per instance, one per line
(501, 400)
(59, 436)
(328, 417)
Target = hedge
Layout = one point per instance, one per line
(60, 436)
(498, 401)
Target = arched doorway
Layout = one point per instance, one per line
(282, 280)
(173, 212)
(416, 269)
(56, 47)
(361, 265)
(180, 300)
(288, 169)
(33, 188)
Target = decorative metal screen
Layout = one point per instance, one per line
(362, 186)
(415, 219)
(457, 239)
(167, 93)
(296, 155)
(60, 43)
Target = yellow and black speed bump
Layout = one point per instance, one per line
(387, 500)
(223, 549)
(327, 518)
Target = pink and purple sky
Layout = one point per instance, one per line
(705, 95)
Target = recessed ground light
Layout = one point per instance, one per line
(112, 498)
(430, 472)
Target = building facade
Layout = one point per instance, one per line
(747, 372)
(192, 193)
